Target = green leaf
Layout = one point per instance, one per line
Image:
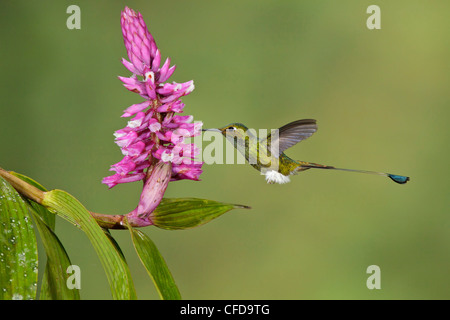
(114, 264)
(18, 247)
(114, 242)
(185, 213)
(47, 216)
(55, 287)
(155, 265)
(49, 284)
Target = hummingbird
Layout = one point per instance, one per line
(266, 154)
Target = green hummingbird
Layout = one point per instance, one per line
(266, 154)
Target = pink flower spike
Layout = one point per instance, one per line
(154, 132)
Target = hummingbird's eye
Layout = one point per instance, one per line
(232, 128)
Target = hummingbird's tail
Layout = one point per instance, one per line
(393, 177)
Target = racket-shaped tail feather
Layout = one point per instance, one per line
(394, 177)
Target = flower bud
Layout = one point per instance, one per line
(152, 194)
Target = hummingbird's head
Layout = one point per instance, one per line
(233, 129)
(235, 132)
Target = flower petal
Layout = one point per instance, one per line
(135, 108)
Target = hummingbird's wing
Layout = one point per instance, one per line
(291, 134)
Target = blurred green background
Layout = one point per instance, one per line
(381, 99)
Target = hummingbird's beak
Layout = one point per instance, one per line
(214, 130)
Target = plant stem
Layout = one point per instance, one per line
(31, 192)
(25, 189)
(109, 221)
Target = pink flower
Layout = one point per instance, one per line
(154, 134)
(151, 195)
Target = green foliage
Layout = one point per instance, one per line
(47, 216)
(54, 286)
(155, 265)
(112, 260)
(185, 213)
(18, 251)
